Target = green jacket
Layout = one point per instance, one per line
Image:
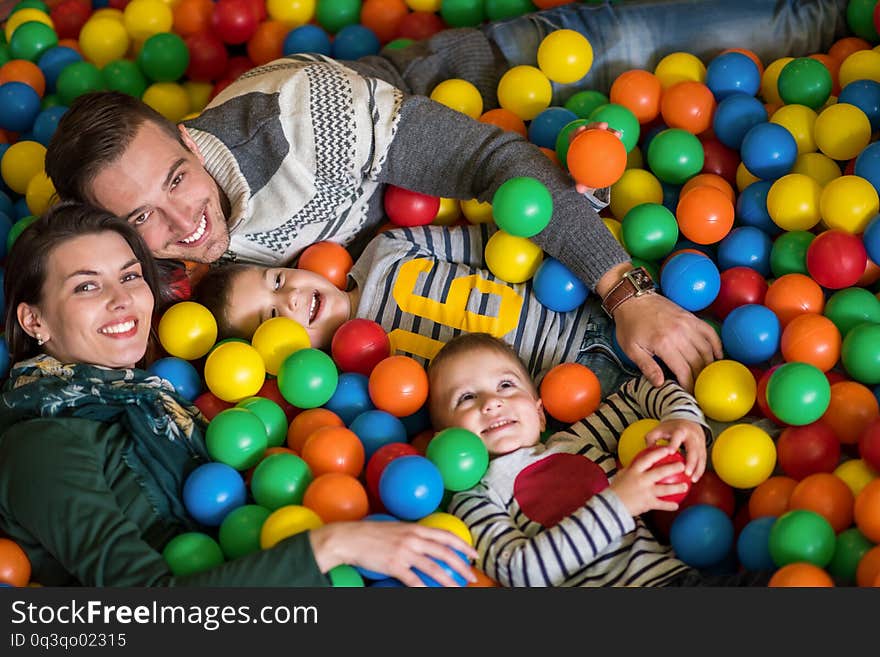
(70, 501)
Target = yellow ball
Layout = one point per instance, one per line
(199, 93)
(459, 95)
(860, 65)
(525, 91)
(817, 166)
(793, 202)
(613, 226)
(856, 474)
(743, 456)
(512, 259)
(635, 159)
(234, 370)
(21, 162)
(449, 212)
(770, 79)
(108, 12)
(103, 40)
(842, 131)
(565, 56)
(187, 330)
(680, 67)
(744, 177)
(169, 99)
(144, 18)
(425, 5)
(477, 212)
(799, 121)
(725, 390)
(848, 203)
(23, 16)
(632, 440)
(636, 186)
(450, 523)
(287, 521)
(277, 338)
(40, 194)
(292, 13)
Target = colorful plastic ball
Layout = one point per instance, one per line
(271, 415)
(15, 567)
(187, 330)
(869, 444)
(287, 521)
(701, 535)
(705, 214)
(743, 456)
(848, 203)
(793, 202)
(329, 259)
(725, 390)
(811, 338)
(431, 582)
(351, 397)
(800, 121)
(557, 288)
(804, 81)
(337, 497)
(145, 18)
(800, 575)
(632, 440)
(398, 385)
(376, 429)
(871, 238)
(355, 41)
(455, 93)
(719, 159)
(192, 552)
(380, 458)
(277, 338)
(679, 66)
(637, 90)
(208, 58)
(768, 150)
(800, 535)
(564, 138)
(850, 307)
(103, 40)
(752, 210)
(752, 544)
(842, 131)
(180, 373)
(732, 72)
(124, 75)
(78, 78)
(565, 56)
(522, 206)
(234, 21)
(817, 166)
(836, 259)
(305, 39)
(619, 118)
(236, 437)
(358, 345)
(239, 533)
(44, 127)
(688, 105)
(798, 393)
(636, 186)
(460, 456)
(405, 207)
(279, 480)
(32, 39)
(864, 94)
(411, 487)
(649, 231)
(673, 479)
(860, 353)
(307, 378)
(234, 370)
(570, 392)
(735, 116)
(853, 407)
(745, 246)
(739, 286)
(771, 497)
(20, 70)
(691, 280)
(345, 576)
(850, 546)
(306, 423)
(334, 449)
(512, 259)
(789, 253)
(827, 495)
(212, 491)
(524, 90)
(596, 158)
(19, 106)
(675, 155)
(867, 511)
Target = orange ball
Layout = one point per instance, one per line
(570, 392)
(868, 569)
(852, 408)
(843, 48)
(596, 158)
(330, 260)
(506, 120)
(871, 275)
(553, 157)
(825, 494)
(800, 574)
(813, 339)
(192, 16)
(15, 567)
(689, 105)
(833, 67)
(383, 17)
(771, 497)
(267, 42)
(712, 180)
(639, 91)
(334, 449)
(306, 423)
(21, 70)
(704, 214)
(337, 497)
(483, 580)
(398, 385)
(791, 295)
(751, 55)
(867, 511)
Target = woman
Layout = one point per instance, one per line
(94, 452)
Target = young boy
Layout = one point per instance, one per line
(545, 514)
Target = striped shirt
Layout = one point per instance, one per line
(425, 285)
(591, 540)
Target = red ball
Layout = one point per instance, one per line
(739, 286)
(761, 397)
(710, 489)
(234, 21)
(805, 450)
(270, 391)
(836, 259)
(869, 445)
(420, 25)
(209, 404)
(678, 478)
(69, 17)
(377, 464)
(208, 58)
(359, 345)
(719, 159)
(408, 208)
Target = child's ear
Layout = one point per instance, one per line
(540, 406)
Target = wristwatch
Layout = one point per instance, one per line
(634, 283)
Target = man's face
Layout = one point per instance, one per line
(163, 190)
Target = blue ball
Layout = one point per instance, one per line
(182, 375)
(411, 487)
(768, 151)
(372, 574)
(212, 491)
(53, 61)
(5, 227)
(683, 243)
(21, 209)
(731, 73)
(417, 422)
(387, 583)
(746, 246)
(351, 397)
(19, 106)
(670, 195)
(871, 238)
(701, 535)
(750, 334)
(6, 206)
(430, 581)
(4, 355)
(557, 288)
(751, 208)
(864, 94)
(647, 135)
(544, 128)
(46, 123)
(355, 41)
(735, 116)
(690, 280)
(376, 428)
(868, 165)
(306, 39)
(753, 544)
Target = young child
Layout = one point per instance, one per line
(544, 514)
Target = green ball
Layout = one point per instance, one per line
(860, 353)
(563, 140)
(307, 378)
(50, 100)
(462, 13)
(236, 437)
(522, 206)
(279, 480)
(125, 76)
(798, 393)
(272, 416)
(399, 44)
(164, 57)
(584, 102)
(649, 231)
(849, 549)
(16, 230)
(460, 456)
(788, 254)
(239, 532)
(801, 535)
(191, 553)
(623, 120)
(39, 5)
(76, 79)
(804, 81)
(860, 19)
(345, 576)
(675, 155)
(497, 10)
(850, 307)
(4, 53)
(32, 39)
(333, 15)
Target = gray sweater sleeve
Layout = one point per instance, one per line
(442, 152)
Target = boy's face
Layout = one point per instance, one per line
(486, 392)
(258, 294)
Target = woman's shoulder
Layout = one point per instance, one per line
(53, 435)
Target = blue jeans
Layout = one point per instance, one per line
(600, 352)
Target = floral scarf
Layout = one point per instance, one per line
(166, 431)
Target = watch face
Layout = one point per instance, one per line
(642, 279)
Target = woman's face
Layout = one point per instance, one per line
(96, 306)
